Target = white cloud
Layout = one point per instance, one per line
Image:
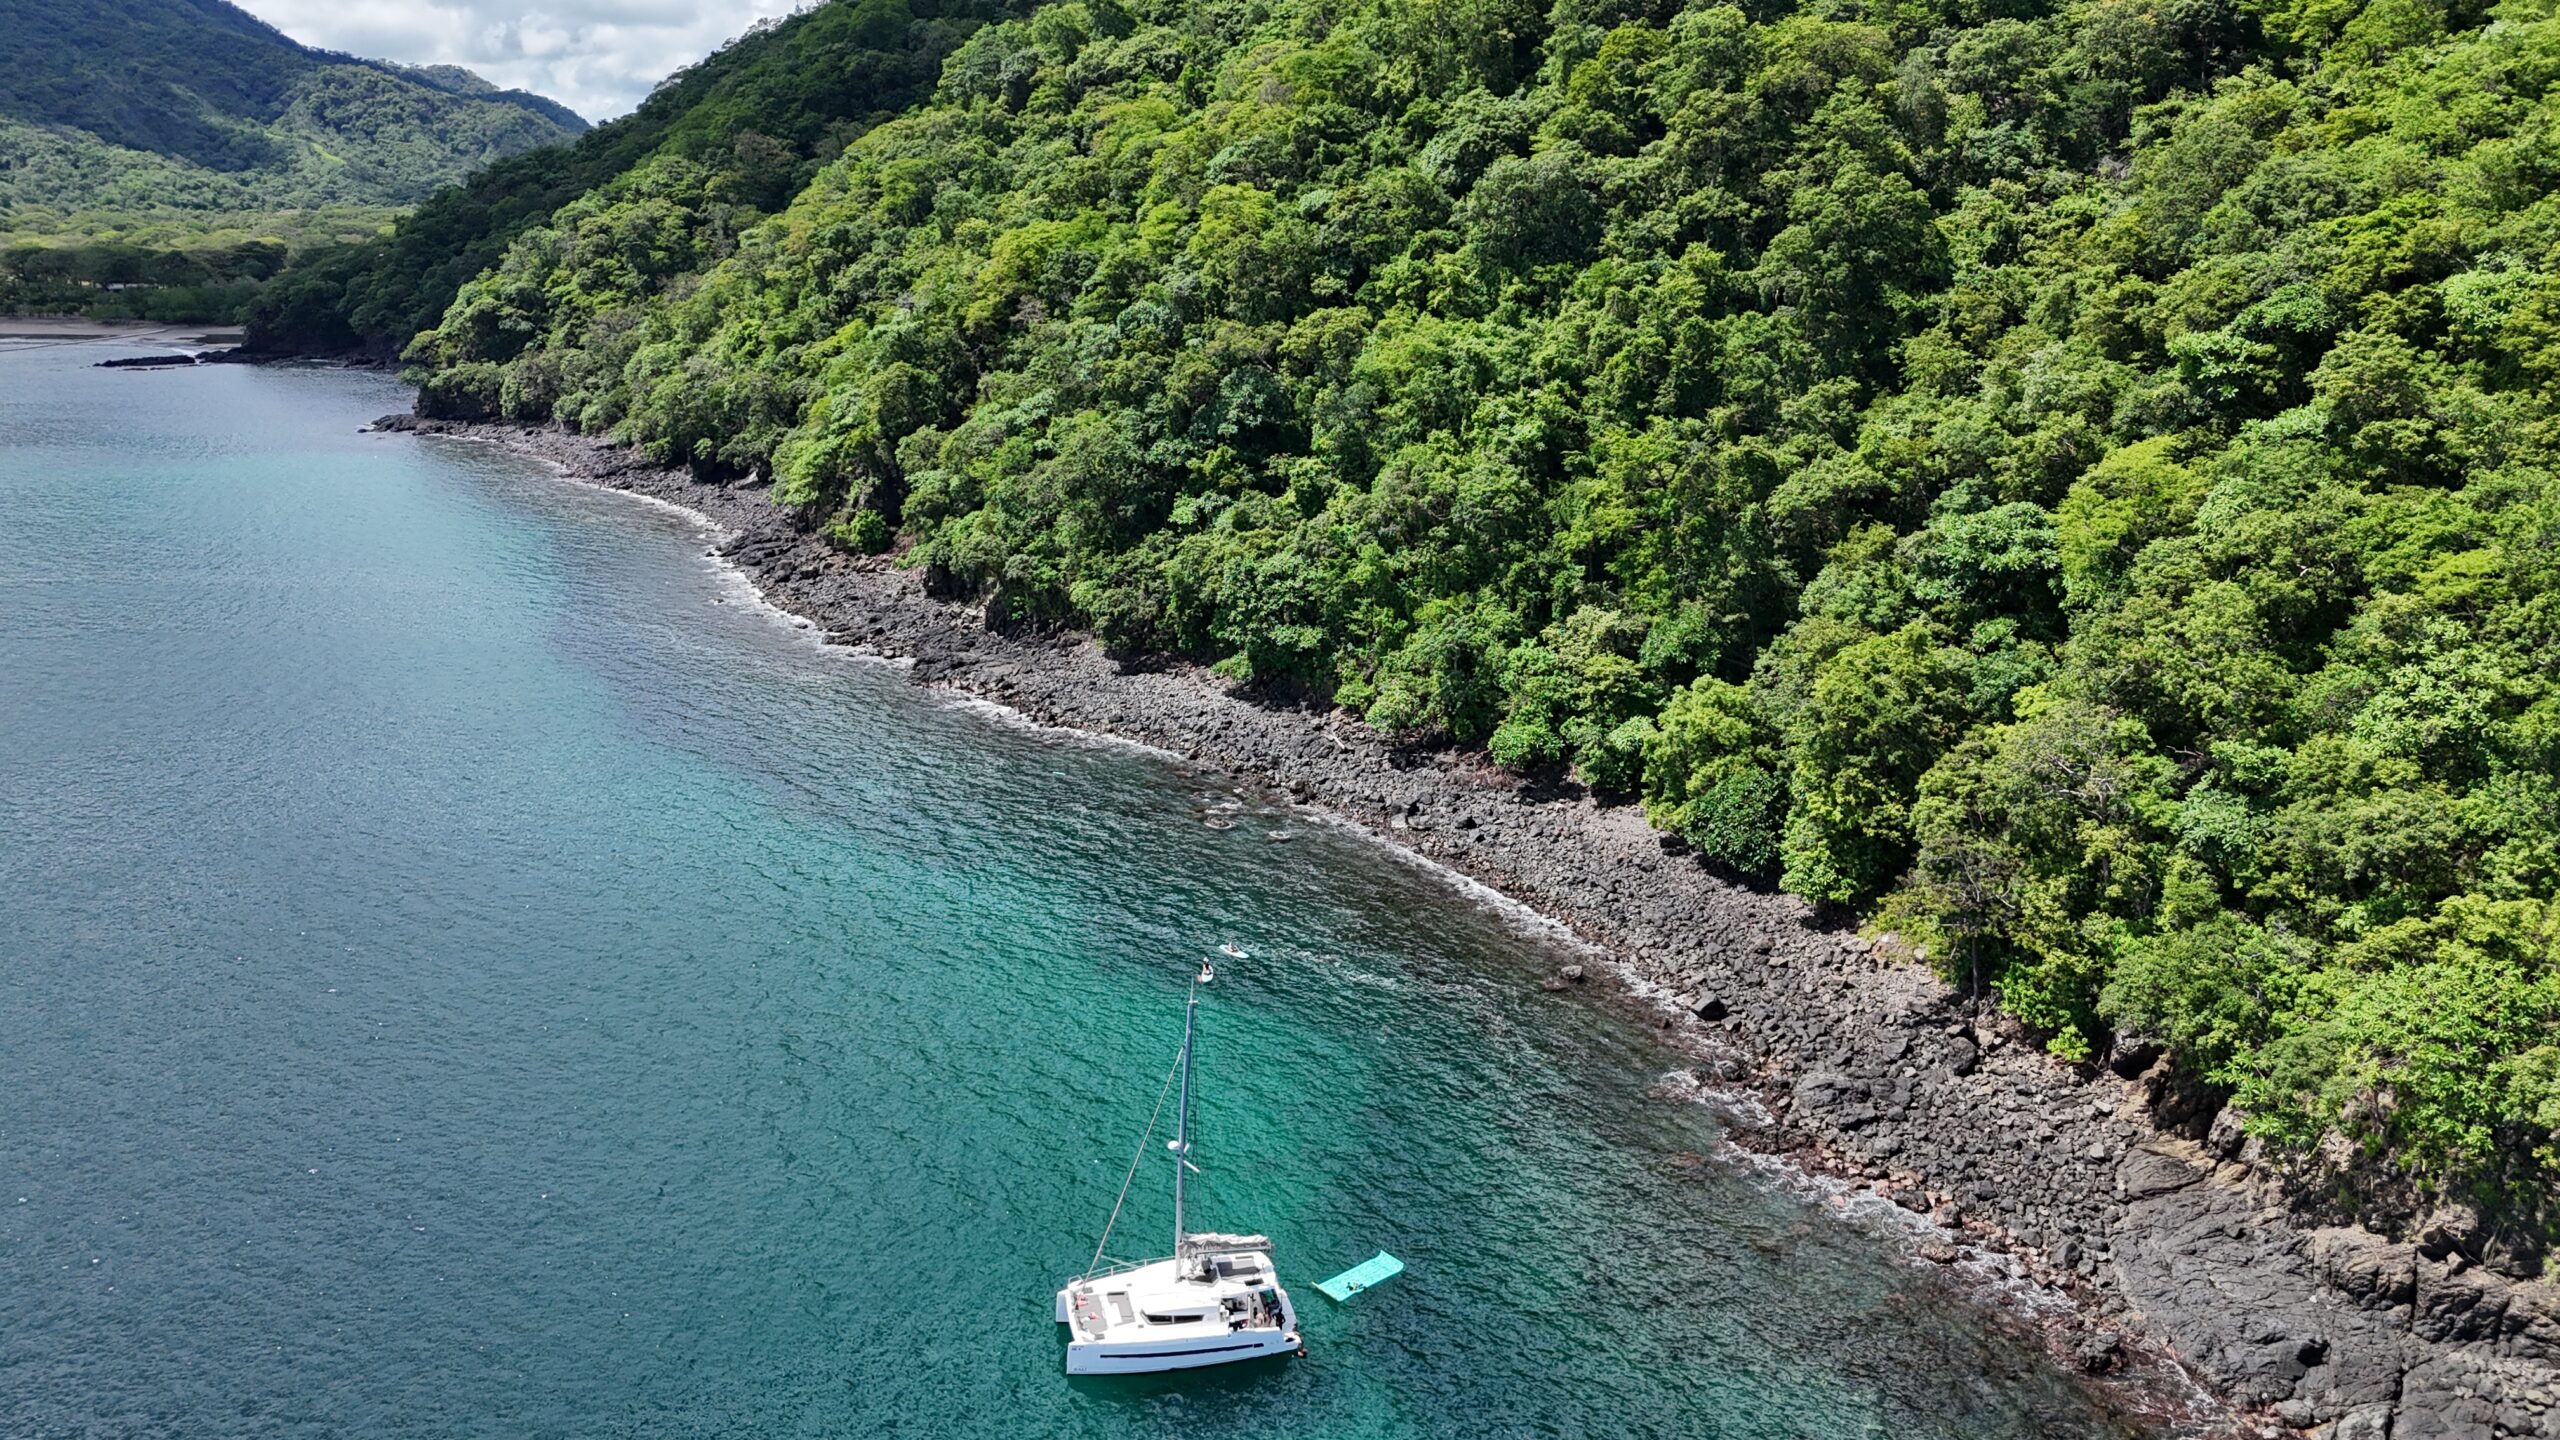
(598, 57)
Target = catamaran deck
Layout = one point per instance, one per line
(1217, 1300)
(1169, 1314)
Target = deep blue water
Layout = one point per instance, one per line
(464, 970)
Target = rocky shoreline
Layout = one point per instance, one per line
(1849, 1060)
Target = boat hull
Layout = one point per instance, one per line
(1140, 1357)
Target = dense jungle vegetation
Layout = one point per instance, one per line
(207, 282)
(714, 149)
(2073, 479)
(121, 115)
(178, 266)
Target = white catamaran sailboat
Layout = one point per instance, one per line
(1217, 1300)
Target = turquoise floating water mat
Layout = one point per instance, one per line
(1378, 1267)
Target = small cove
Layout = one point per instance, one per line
(470, 972)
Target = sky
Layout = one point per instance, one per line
(598, 57)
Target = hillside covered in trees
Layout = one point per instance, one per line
(124, 110)
(2073, 481)
(714, 149)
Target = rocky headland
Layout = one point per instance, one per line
(2106, 1184)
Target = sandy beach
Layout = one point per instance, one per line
(18, 331)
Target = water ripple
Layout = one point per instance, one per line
(462, 981)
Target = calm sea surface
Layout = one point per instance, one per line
(466, 970)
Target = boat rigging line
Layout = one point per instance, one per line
(1152, 1116)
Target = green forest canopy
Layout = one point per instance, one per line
(2075, 480)
(208, 280)
(746, 127)
(152, 109)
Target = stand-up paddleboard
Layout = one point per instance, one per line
(1374, 1270)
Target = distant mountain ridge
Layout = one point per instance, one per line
(455, 80)
(723, 142)
(197, 104)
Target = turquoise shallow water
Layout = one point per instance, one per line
(466, 971)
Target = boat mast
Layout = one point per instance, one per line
(1182, 1121)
